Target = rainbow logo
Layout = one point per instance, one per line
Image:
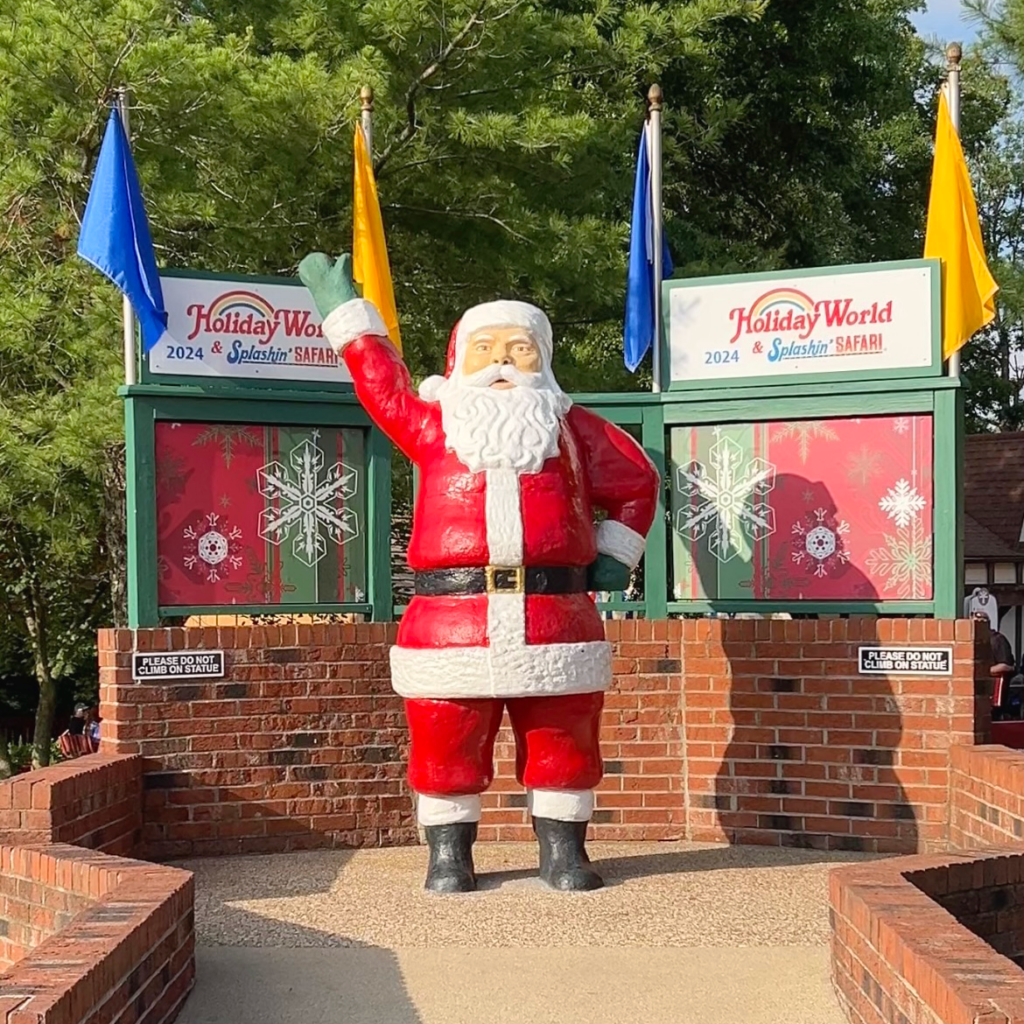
(241, 302)
(781, 298)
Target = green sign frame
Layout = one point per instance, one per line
(146, 404)
(838, 377)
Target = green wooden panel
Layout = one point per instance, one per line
(378, 524)
(656, 551)
(949, 512)
(811, 407)
(327, 608)
(140, 504)
(702, 608)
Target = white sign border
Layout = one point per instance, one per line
(902, 647)
(240, 383)
(136, 655)
(934, 369)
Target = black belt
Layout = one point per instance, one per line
(500, 579)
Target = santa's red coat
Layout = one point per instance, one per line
(502, 645)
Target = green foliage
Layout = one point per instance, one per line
(993, 362)
(797, 132)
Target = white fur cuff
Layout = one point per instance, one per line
(355, 319)
(561, 804)
(446, 810)
(622, 543)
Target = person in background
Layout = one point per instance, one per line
(1002, 665)
(73, 741)
(78, 719)
(92, 727)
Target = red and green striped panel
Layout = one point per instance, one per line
(836, 509)
(251, 514)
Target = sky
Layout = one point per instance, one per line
(943, 18)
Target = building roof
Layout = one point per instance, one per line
(994, 496)
(982, 545)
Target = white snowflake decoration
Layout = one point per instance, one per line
(901, 424)
(308, 501)
(902, 503)
(729, 501)
(905, 562)
(213, 548)
(820, 543)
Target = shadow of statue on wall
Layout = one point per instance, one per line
(813, 746)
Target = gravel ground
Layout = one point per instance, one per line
(657, 895)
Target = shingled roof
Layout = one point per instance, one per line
(994, 496)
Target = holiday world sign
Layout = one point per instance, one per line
(245, 328)
(876, 317)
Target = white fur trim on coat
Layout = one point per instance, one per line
(446, 810)
(430, 388)
(561, 804)
(620, 541)
(354, 319)
(522, 671)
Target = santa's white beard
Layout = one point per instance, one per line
(511, 428)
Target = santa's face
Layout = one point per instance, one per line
(501, 408)
(501, 346)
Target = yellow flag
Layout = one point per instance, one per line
(370, 267)
(954, 236)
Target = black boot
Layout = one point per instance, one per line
(451, 857)
(564, 863)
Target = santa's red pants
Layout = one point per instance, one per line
(558, 756)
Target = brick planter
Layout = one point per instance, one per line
(85, 930)
(930, 940)
(94, 802)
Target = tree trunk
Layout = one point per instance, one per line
(35, 621)
(115, 530)
(42, 740)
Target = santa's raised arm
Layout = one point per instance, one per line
(504, 550)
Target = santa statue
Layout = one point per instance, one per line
(505, 554)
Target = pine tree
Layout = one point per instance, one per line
(505, 139)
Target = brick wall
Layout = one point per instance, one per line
(899, 956)
(303, 743)
(38, 897)
(786, 742)
(986, 896)
(737, 730)
(93, 801)
(128, 948)
(986, 797)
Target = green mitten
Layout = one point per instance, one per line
(607, 573)
(330, 286)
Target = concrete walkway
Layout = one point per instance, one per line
(683, 934)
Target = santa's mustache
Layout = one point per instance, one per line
(501, 371)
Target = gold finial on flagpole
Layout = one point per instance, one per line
(366, 105)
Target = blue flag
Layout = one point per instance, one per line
(115, 233)
(639, 327)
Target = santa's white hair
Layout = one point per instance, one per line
(490, 428)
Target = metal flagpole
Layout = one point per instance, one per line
(954, 54)
(127, 313)
(654, 103)
(366, 99)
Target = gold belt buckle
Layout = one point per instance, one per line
(505, 579)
